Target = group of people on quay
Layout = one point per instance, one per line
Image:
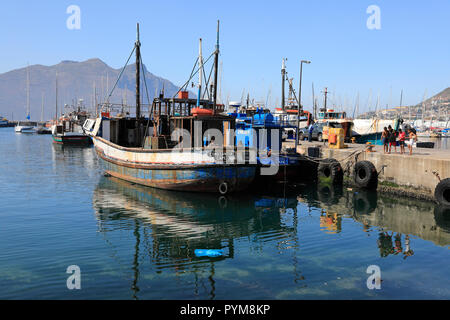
(391, 138)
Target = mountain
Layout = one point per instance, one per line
(442, 97)
(75, 81)
(436, 108)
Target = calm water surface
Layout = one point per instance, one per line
(297, 242)
(439, 143)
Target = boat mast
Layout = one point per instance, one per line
(138, 75)
(378, 101)
(313, 102)
(200, 74)
(325, 99)
(423, 108)
(216, 65)
(94, 89)
(28, 93)
(283, 77)
(56, 100)
(401, 100)
(42, 108)
(390, 102)
(220, 82)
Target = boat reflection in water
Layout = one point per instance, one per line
(273, 246)
(174, 224)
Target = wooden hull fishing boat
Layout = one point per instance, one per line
(174, 148)
(179, 170)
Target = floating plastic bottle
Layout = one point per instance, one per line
(212, 253)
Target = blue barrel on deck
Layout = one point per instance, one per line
(262, 118)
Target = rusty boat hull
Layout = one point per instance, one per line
(158, 169)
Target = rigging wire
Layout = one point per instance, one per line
(207, 82)
(118, 78)
(187, 82)
(145, 84)
(148, 99)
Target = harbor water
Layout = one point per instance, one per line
(130, 242)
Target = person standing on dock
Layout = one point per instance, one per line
(392, 139)
(401, 140)
(310, 131)
(385, 140)
(412, 138)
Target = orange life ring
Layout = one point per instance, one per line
(201, 111)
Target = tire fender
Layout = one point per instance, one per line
(442, 192)
(366, 175)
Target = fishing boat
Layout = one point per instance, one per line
(4, 123)
(44, 129)
(264, 132)
(334, 119)
(67, 130)
(178, 146)
(365, 130)
(290, 116)
(69, 138)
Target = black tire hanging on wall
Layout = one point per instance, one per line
(366, 175)
(442, 193)
(330, 171)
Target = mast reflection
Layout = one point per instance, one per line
(169, 226)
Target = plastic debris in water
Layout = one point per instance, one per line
(208, 253)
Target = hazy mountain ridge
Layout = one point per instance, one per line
(75, 81)
(435, 108)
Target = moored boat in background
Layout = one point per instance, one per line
(24, 128)
(68, 133)
(4, 123)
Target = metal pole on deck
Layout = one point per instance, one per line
(200, 74)
(299, 101)
(283, 77)
(314, 102)
(56, 99)
(138, 75)
(138, 87)
(216, 63)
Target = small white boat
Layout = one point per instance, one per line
(24, 129)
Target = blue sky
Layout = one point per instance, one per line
(410, 52)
